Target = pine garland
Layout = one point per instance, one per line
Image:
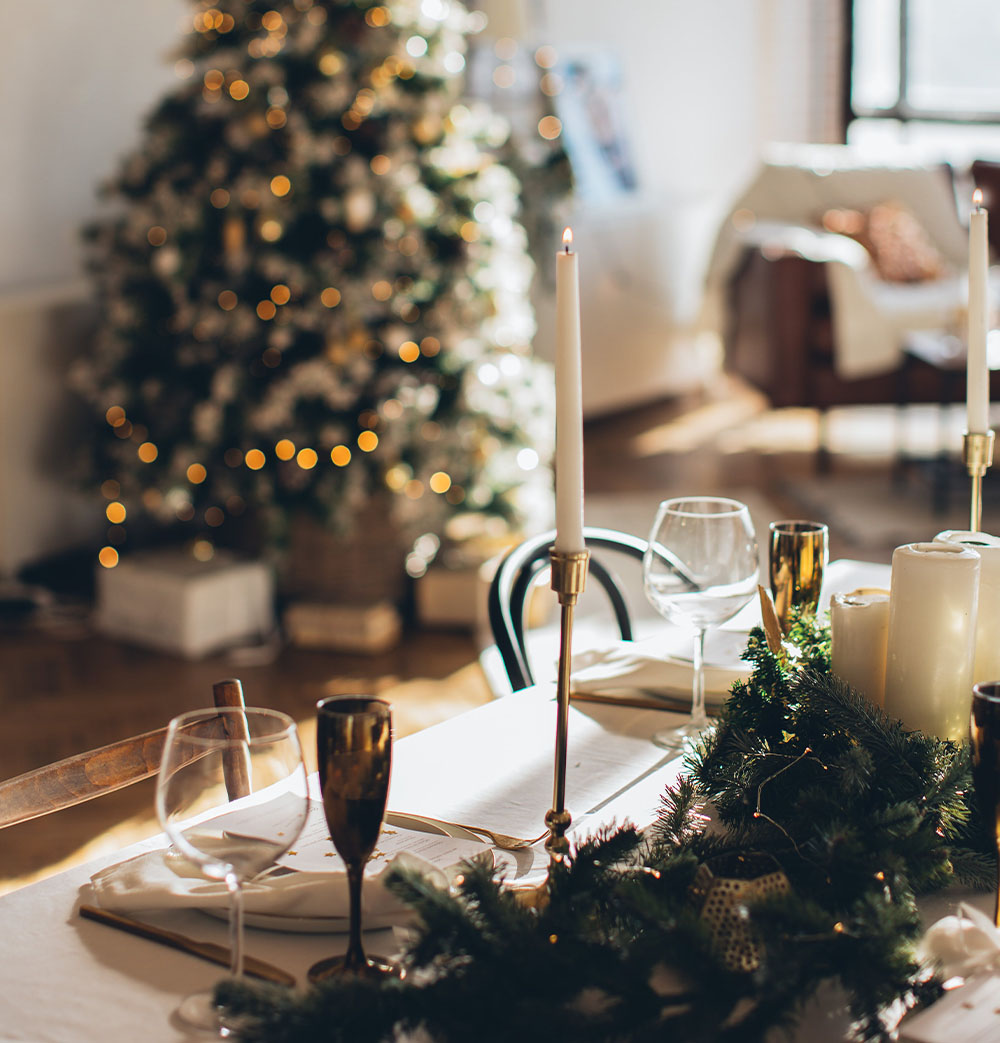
(860, 815)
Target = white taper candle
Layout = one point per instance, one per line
(569, 403)
(977, 373)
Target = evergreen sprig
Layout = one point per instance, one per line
(860, 815)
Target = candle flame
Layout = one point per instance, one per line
(567, 237)
(977, 199)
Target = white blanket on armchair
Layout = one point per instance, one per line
(782, 209)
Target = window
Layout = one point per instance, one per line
(925, 69)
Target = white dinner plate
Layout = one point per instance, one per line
(341, 924)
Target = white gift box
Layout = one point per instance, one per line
(170, 601)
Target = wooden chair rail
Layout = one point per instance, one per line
(85, 776)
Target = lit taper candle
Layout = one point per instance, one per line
(977, 375)
(569, 403)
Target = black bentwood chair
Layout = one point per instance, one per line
(513, 581)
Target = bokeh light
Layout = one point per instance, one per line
(108, 557)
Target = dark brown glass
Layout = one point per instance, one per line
(354, 748)
(984, 730)
(797, 556)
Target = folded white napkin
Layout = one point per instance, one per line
(627, 666)
(166, 880)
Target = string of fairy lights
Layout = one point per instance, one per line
(255, 213)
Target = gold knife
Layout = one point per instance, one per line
(633, 702)
(206, 950)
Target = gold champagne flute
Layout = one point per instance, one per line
(354, 747)
(797, 556)
(984, 729)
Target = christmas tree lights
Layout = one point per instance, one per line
(314, 285)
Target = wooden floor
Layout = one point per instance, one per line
(63, 689)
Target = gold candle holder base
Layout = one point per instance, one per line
(977, 451)
(569, 577)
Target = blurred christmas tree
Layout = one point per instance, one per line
(317, 287)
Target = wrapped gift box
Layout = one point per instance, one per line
(345, 628)
(170, 601)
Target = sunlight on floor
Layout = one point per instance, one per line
(745, 425)
(699, 427)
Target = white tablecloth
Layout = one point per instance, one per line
(67, 980)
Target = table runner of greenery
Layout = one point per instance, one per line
(861, 815)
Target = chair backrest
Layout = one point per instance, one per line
(512, 582)
(85, 776)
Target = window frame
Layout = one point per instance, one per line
(902, 111)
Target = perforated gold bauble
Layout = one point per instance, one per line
(723, 888)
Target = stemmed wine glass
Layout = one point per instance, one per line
(700, 569)
(354, 748)
(984, 732)
(231, 796)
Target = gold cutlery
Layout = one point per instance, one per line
(632, 702)
(501, 840)
(205, 950)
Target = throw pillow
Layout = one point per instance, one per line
(900, 247)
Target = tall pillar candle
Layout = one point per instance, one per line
(977, 372)
(986, 664)
(569, 403)
(932, 637)
(859, 637)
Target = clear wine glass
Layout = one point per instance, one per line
(231, 796)
(700, 569)
(354, 749)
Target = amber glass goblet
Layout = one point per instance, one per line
(984, 729)
(354, 747)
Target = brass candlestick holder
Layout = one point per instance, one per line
(977, 449)
(569, 577)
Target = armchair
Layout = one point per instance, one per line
(808, 309)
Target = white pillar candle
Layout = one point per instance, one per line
(986, 664)
(932, 634)
(859, 637)
(977, 373)
(569, 403)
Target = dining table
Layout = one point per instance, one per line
(67, 979)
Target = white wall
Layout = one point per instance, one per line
(706, 83)
(76, 78)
